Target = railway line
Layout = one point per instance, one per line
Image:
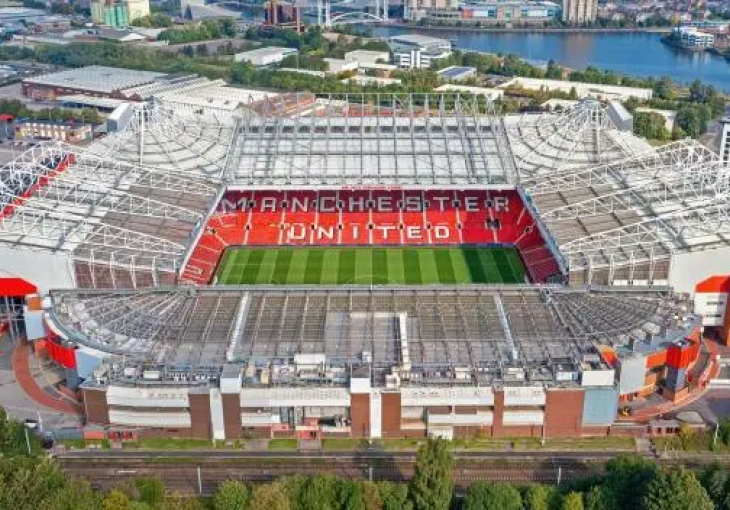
(202, 475)
(200, 472)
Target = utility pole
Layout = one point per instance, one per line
(560, 475)
(714, 436)
(27, 440)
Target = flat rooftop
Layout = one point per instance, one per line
(417, 40)
(96, 78)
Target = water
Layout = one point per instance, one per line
(635, 54)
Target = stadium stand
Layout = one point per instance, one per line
(371, 217)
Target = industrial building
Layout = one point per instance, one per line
(123, 238)
(267, 56)
(97, 81)
(582, 90)
(457, 73)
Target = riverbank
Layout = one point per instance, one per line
(674, 43)
(528, 30)
(633, 53)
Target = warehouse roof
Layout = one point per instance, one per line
(96, 78)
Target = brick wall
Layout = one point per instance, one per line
(360, 414)
(564, 412)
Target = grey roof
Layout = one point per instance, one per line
(96, 78)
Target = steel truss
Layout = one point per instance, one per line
(683, 156)
(586, 128)
(448, 326)
(78, 209)
(158, 130)
(371, 139)
(681, 230)
(666, 201)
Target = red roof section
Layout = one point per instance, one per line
(713, 284)
(16, 287)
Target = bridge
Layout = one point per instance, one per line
(323, 8)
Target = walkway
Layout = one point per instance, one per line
(24, 377)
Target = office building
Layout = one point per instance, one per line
(412, 51)
(580, 11)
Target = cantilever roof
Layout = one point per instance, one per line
(487, 330)
(62, 198)
(372, 139)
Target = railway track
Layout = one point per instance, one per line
(204, 475)
(200, 472)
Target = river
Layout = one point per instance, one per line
(632, 53)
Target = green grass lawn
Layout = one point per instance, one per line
(370, 266)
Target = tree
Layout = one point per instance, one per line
(115, 500)
(627, 477)
(75, 495)
(432, 485)
(394, 496)
(12, 436)
(595, 498)
(151, 491)
(676, 489)
(231, 495)
(716, 482)
(270, 496)
(537, 497)
(492, 496)
(177, 501)
(350, 496)
(572, 501)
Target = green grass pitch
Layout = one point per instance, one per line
(370, 266)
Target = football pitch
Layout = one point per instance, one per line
(370, 266)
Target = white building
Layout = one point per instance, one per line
(367, 57)
(413, 51)
(484, 91)
(337, 65)
(583, 90)
(261, 57)
(693, 38)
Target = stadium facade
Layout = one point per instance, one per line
(127, 235)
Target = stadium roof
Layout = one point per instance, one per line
(160, 138)
(102, 210)
(372, 139)
(608, 199)
(550, 143)
(639, 209)
(491, 333)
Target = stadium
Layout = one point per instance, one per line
(365, 266)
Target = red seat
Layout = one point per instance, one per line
(365, 217)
